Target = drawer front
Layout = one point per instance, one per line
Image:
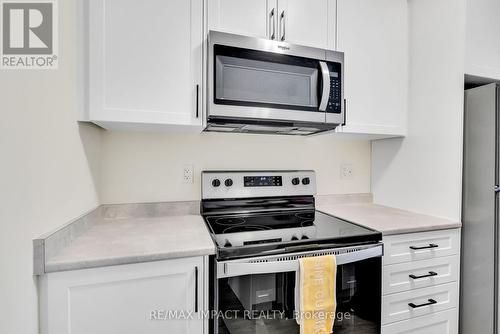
(419, 274)
(420, 246)
(426, 301)
(445, 322)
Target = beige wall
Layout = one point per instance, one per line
(45, 177)
(142, 167)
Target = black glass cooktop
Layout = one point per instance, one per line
(258, 222)
(242, 234)
(326, 225)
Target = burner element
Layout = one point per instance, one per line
(230, 221)
(245, 228)
(307, 223)
(305, 215)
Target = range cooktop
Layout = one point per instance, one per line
(309, 225)
(255, 213)
(258, 222)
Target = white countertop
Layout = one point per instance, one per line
(132, 233)
(132, 240)
(386, 219)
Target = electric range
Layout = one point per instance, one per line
(267, 212)
(263, 222)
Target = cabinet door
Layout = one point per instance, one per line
(125, 299)
(439, 323)
(252, 18)
(374, 37)
(419, 274)
(426, 301)
(411, 247)
(307, 22)
(145, 62)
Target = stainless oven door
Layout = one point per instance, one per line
(257, 295)
(251, 78)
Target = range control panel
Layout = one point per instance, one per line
(263, 181)
(248, 184)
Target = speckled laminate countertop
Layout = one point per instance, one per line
(132, 233)
(385, 219)
(133, 240)
(123, 234)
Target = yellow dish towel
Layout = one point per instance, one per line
(315, 298)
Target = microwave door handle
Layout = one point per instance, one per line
(272, 22)
(237, 268)
(325, 94)
(282, 25)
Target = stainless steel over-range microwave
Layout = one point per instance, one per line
(266, 86)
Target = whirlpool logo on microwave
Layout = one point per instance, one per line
(29, 34)
(283, 47)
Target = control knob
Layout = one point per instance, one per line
(294, 238)
(215, 182)
(306, 181)
(295, 181)
(228, 182)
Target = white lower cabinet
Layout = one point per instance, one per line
(419, 302)
(420, 274)
(126, 299)
(420, 283)
(411, 247)
(445, 322)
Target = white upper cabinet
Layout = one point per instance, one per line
(251, 18)
(306, 22)
(145, 64)
(146, 58)
(482, 38)
(374, 37)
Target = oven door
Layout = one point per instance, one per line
(257, 295)
(251, 78)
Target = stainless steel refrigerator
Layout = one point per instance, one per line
(480, 234)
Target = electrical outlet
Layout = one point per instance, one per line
(346, 171)
(187, 174)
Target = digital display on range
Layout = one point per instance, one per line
(262, 181)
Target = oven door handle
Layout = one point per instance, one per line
(239, 268)
(325, 95)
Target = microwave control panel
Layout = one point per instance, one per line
(335, 98)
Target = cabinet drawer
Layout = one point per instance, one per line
(425, 301)
(445, 322)
(421, 246)
(419, 274)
